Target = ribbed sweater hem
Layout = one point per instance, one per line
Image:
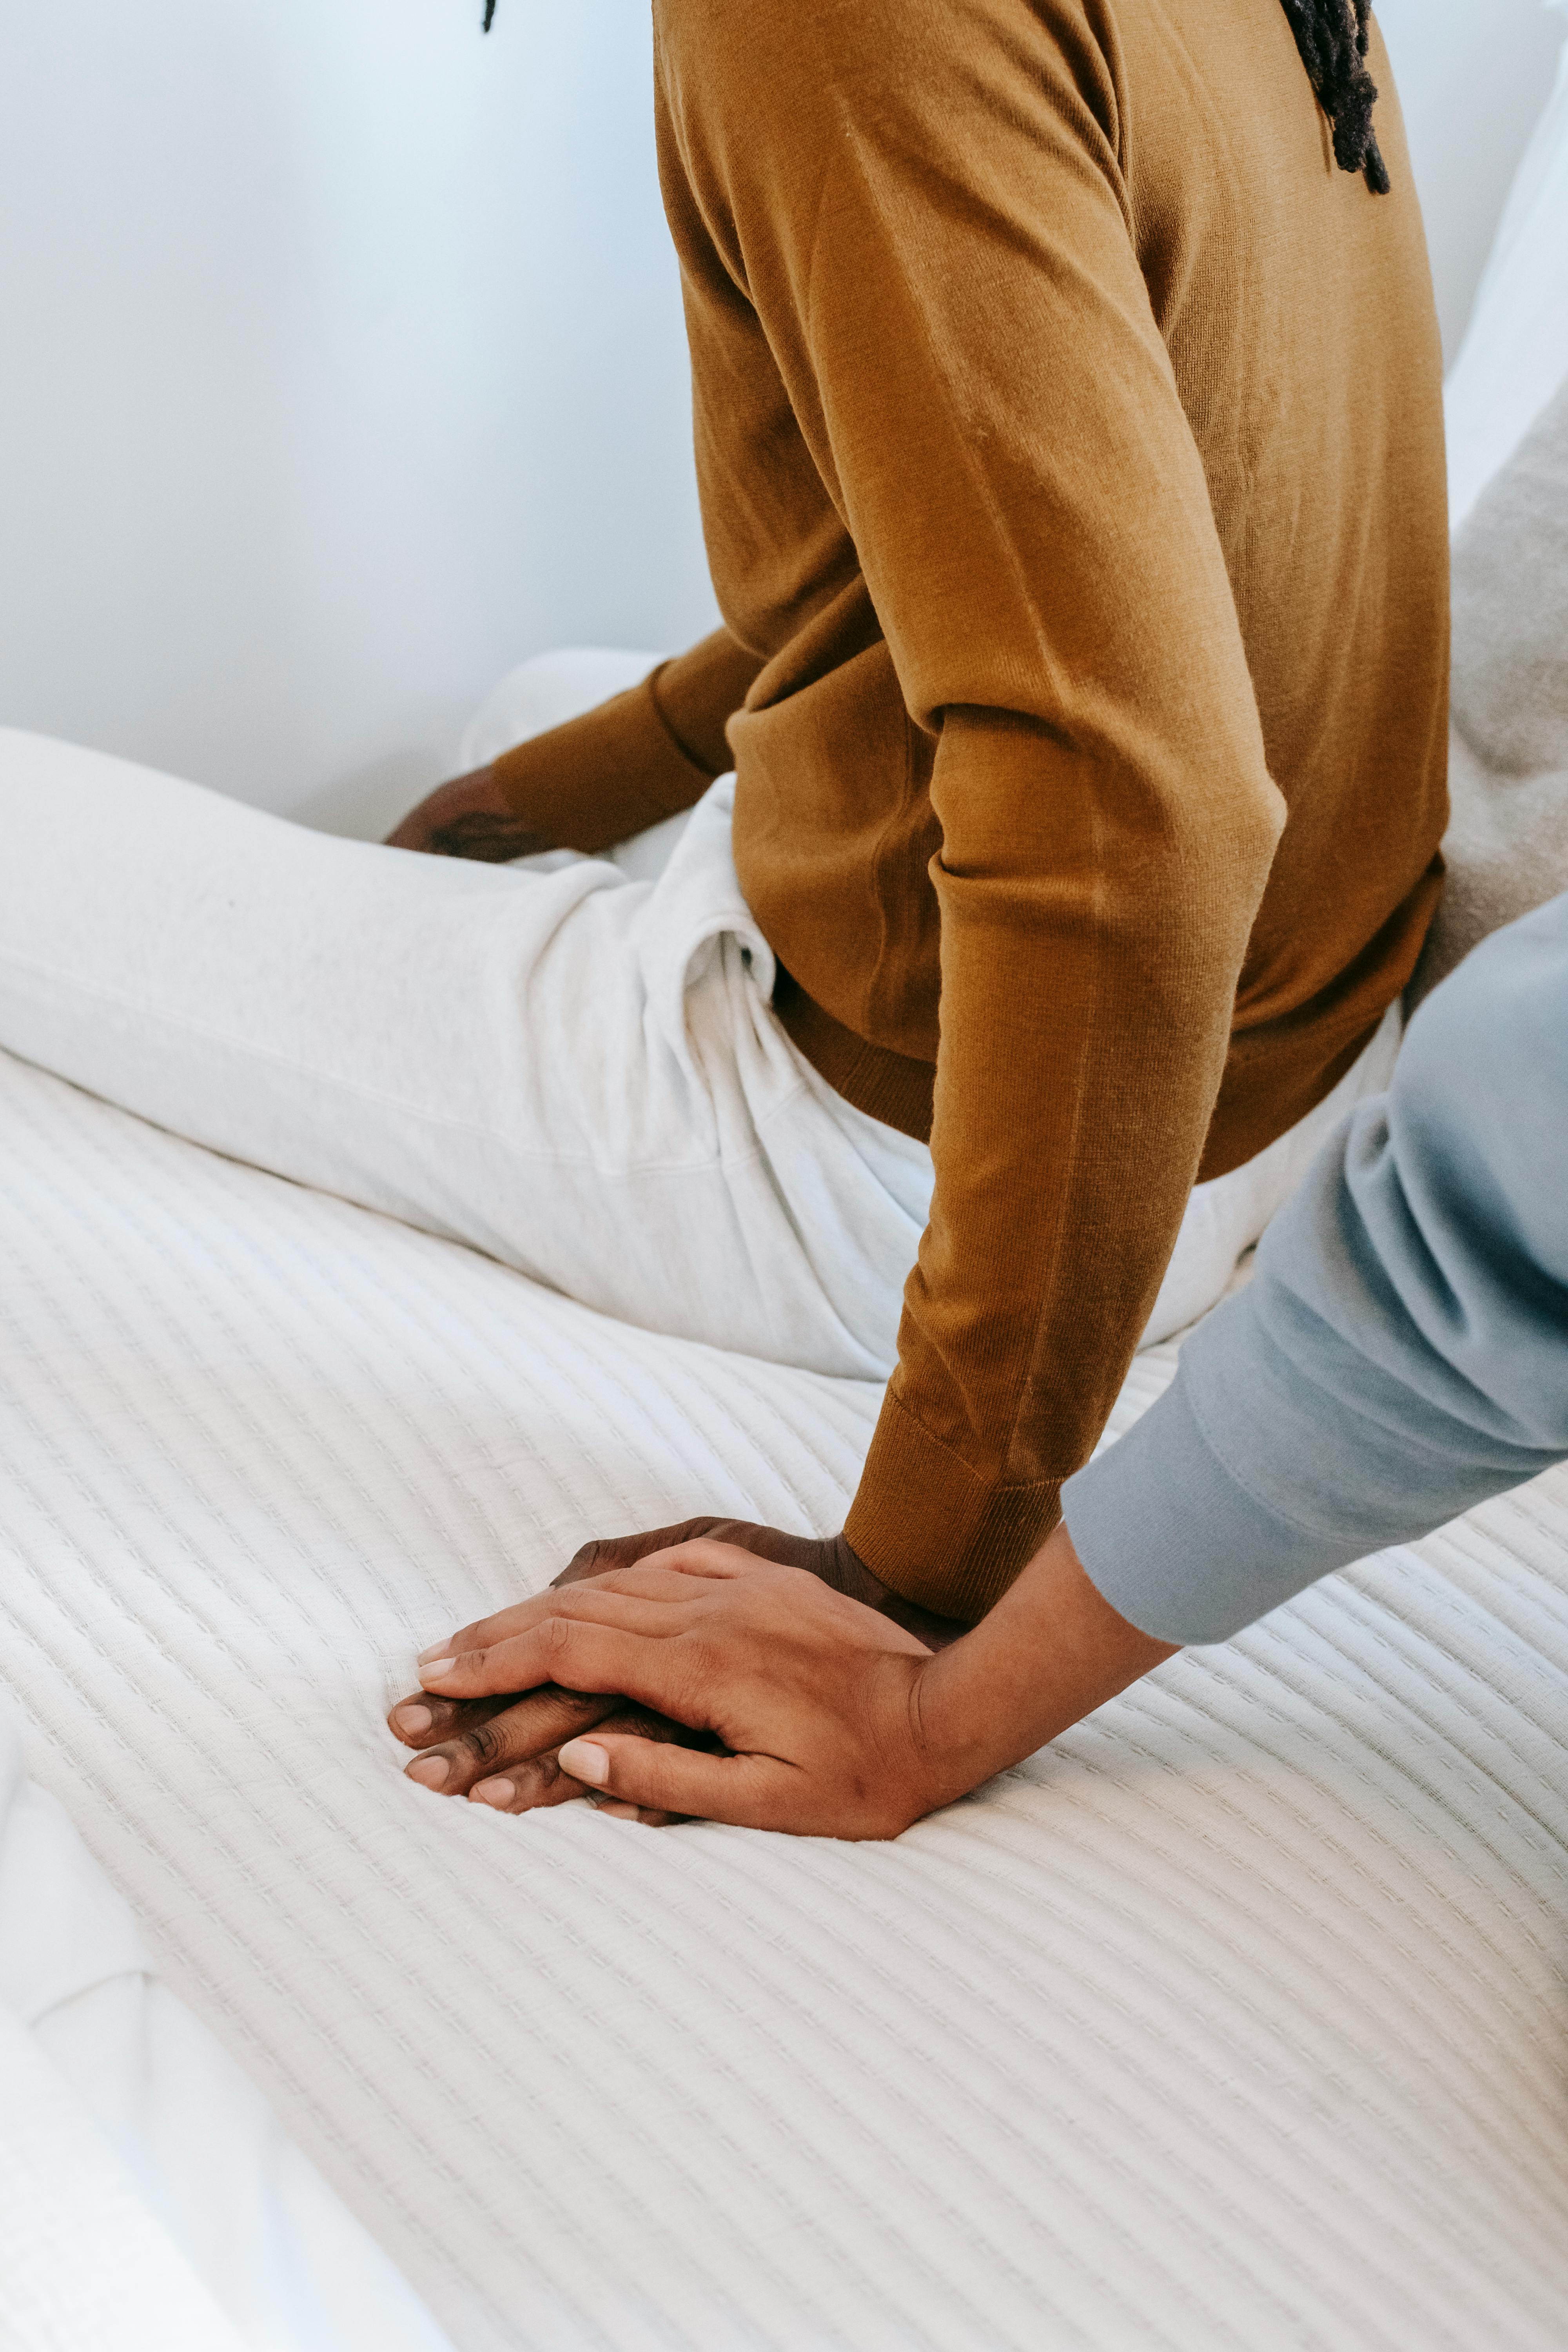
(894, 1087)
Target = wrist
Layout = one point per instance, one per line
(847, 1572)
(963, 1729)
(1050, 1652)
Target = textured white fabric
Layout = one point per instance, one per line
(138, 2098)
(1233, 2023)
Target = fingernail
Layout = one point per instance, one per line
(414, 1718)
(499, 1793)
(430, 1771)
(617, 1809)
(436, 1650)
(432, 1669)
(586, 1761)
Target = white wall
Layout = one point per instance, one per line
(340, 360)
(1473, 75)
(341, 364)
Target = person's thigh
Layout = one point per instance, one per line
(349, 1016)
(586, 1084)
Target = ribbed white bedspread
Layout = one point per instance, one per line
(1236, 2022)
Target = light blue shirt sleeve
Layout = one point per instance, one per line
(1402, 1350)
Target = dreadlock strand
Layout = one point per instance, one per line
(1376, 169)
(1332, 37)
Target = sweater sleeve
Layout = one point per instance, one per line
(1402, 1350)
(967, 341)
(642, 756)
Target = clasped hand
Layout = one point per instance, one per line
(795, 1705)
(808, 1702)
(504, 1750)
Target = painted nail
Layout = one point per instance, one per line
(414, 1719)
(432, 1669)
(499, 1793)
(430, 1771)
(586, 1761)
(436, 1650)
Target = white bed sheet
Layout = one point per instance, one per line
(84, 2267)
(1235, 2022)
(148, 2196)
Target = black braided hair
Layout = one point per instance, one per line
(1331, 36)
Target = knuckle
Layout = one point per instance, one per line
(579, 1710)
(536, 1783)
(482, 1746)
(582, 1563)
(643, 1723)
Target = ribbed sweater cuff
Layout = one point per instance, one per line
(934, 1529)
(603, 777)
(1174, 1540)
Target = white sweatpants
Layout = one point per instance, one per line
(570, 1063)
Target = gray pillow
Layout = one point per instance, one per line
(1507, 844)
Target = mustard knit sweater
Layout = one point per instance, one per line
(1071, 446)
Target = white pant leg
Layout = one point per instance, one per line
(576, 1073)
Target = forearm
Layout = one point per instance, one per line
(1051, 1651)
(1089, 967)
(643, 756)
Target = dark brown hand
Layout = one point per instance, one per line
(468, 818)
(827, 1556)
(503, 1752)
